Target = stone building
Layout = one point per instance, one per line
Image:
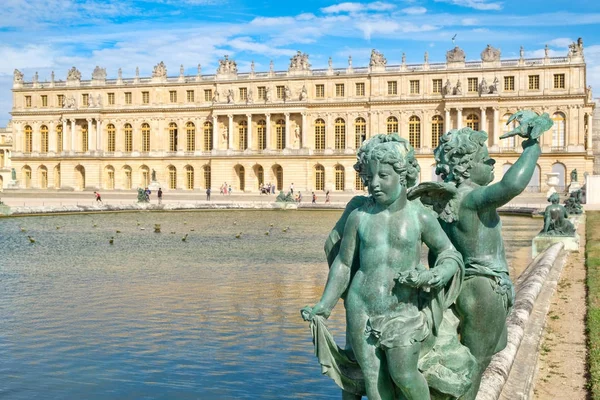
(299, 126)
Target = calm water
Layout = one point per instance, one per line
(152, 316)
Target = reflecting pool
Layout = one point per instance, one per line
(154, 316)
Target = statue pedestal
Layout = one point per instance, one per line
(154, 186)
(542, 242)
(574, 186)
(12, 185)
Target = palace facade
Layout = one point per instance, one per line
(299, 126)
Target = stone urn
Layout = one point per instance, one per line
(552, 181)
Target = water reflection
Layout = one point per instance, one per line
(152, 316)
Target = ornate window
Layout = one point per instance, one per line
(243, 93)
(27, 176)
(241, 173)
(360, 89)
(128, 130)
(472, 85)
(207, 178)
(190, 132)
(360, 132)
(339, 90)
(59, 137)
(44, 139)
(84, 138)
(43, 177)
(280, 91)
(559, 81)
(146, 97)
(558, 131)
(261, 131)
(320, 91)
(243, 135)
(473, 122)
(44, 100)
(340, 177)
(145, 176)
(189, 96)
(415, 87)
(110, 178)
(172, 177)
(392, 87)
(436, 86)
(145, 137)
(128, 182)
(189, 177)
(110, 130)
(437, 130)
(85, 99)
(111, 99)
(280, 132)
(28, 101)
(391, 125)
(279, 177)
(414, 131)
(319, 177)
(60, 99)
(319, 134)
(340, 134)
(28, 145)
(262, 92)
(358, 182)
(208, 136)
(509, 83)
(173, 96)
(534, 82)
(208, 95)
(127, 97)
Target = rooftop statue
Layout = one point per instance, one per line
(573, 202)
(377, 59)
(398, 321)
(576, 48)
(99, 74)
(556, 219)
(455, 55)
(227, 66)
(490, 54)
(160, 70)
(17, 76)
(299, 62)
(73, 75)
(466, 203)
(303, 93)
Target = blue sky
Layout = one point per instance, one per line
(46, 35)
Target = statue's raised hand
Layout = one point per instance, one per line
(531, 125)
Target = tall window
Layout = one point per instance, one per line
(358, 182)
(28, 101)
(534, 82)
(472, 85)
(360, 89)
(146, 97)
(85, 138)
(414, 131)
(319, 134)
(243, 135)
(110, 130)
(208, 134)
(339, 90)
(189, 95)
(172, 177)
(27, 176)
(320, 91)
(260, 175)
(110, 179)
(145, 176)
(127, 97)
(241, 172)
(59, 137)
(145, 137)
(392, 125)
(243, 93)
(111, 99)
(208, 95)
(392, 87)
(509, 142)
(280, 132)
(44, 139)
(279, 177)
(28, 145)
(128, 181)
(436, 86)
(559, 81)
(280, 91)
(43, 178)
(261, 131)
(473, 122)
(262, 92)
(189, 177)
(207, 180)
(44, 100)
(558, 131)
(172, 136)
(85, 98)
(415, 87)
(128, 130)
(319, 177)
(190, 133)
(340, 177)
(60, 99)
(437, 130)
(173, 96)
(360, 132)
(340, 134)
(509, 83)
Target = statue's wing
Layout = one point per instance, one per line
(539, 125)
(441, 197)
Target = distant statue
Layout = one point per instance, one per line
(13, 174)
(227, 66)
(349, 61)
(215, 98)
(267, 94)
(252, 67)
(303, 93)
(153, 175)
(556, 219)
(522, 53)
(17, 76)
(285, 198)
(141, 196)
(574, 175)
(455, 55)
(299, 62)
(546, 51)
(250, 97)
(494, 86)
(73, 75)
(160, 70)
(90, 100)
(98, 101)
(230, 95)
(330, 63)
(483, 87)
(573, 202)
(99, 74)
(576, 48)
(287, 93)
(377, 59)
(490, 54)
(588, 92)
(448, 88)
(458, 88)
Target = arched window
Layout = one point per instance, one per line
(319, 134)
(208, 136)
(57, 177)
(241, 173)
(26, 176)
(360, 132)
(207, 177)
(85, 139)
(145, 137)
(414, 131)
(28, 145)
(391, 125)
(43, 177)
(280, 131)
(437, 130)
(473, 122)
(110, 177)
(189, 177)
(535, 181)
(128, 130)
(358, 182)
(558, 131)
(279, 177)
(172, 136)
(172, 177)
(127, 181)
(508, 143)
(44, 139)
(111, 131)
(145, 172)
(190, 132)
(243, 135)
(261, 131)
(59, 137)
(340, 177)
(260, 175)
(319, 177)
(80, 177)
(561, 170)
(340, 134)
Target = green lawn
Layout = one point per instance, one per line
(592, 261)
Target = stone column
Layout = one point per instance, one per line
(268, 131)
(52, 137)
(304, 127)
(484, 122)
(215, 132)
(249, 116)
(459, 118)
(64, 135)
(91, 136)
(589, 146)
(72, 145)
(99, 134)
(447, 122)
(287, 130)
(495, 127)
(230, 132)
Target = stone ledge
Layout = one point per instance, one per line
(542, 242)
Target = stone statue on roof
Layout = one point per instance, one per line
(490, 54)
(160, 70)
(455, 55)
(17, 76)
(99, 74)
(377, 59)
(73, 75)
(576, 48)
(227, 66)
(299, 62)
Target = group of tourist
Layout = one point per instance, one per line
(266, 189)
(225, 189)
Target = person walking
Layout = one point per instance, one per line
(314, 198)
(98, 198)
(208, 194)
(327, 199)
(148, 193)
(292, 188)
(159, 194)
(229, 189)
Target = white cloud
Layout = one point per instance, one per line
(592, 58)
(357, 7)
(475, 4)
(414, 10)
(469, 21)
(560, 42)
